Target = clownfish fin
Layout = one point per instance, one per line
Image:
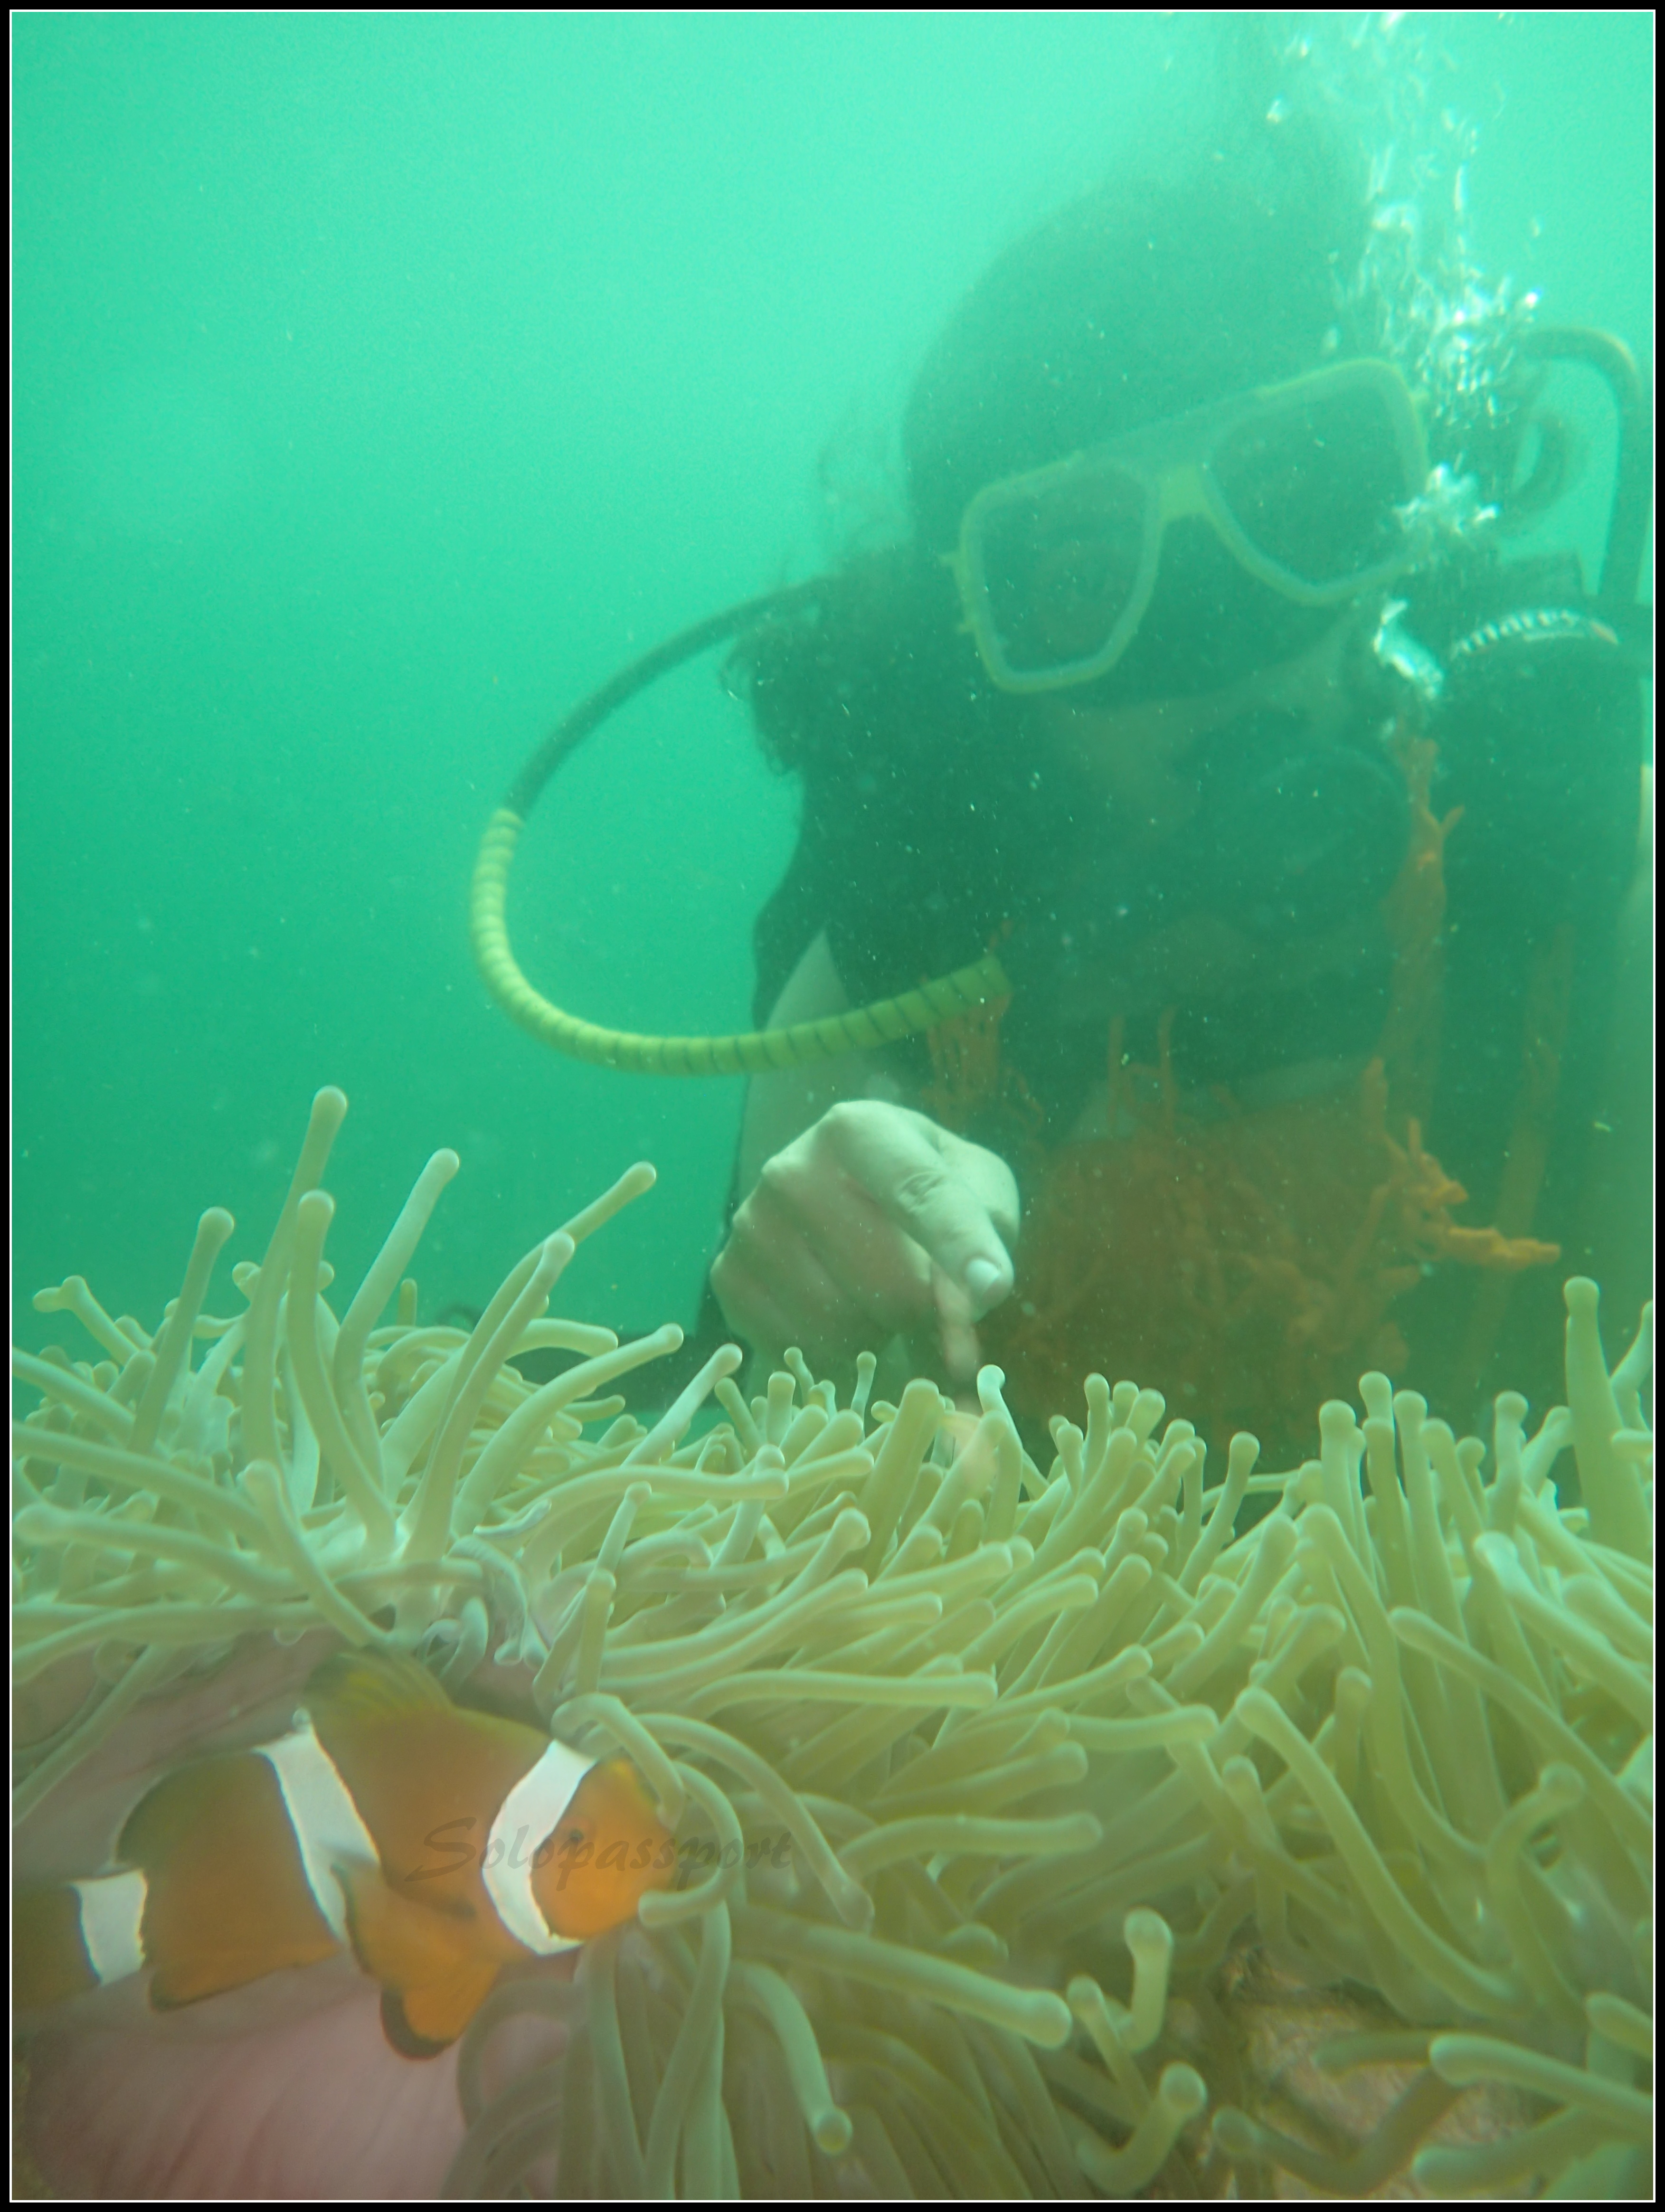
(395, 2027)
(435, 1970)
(360, 1686)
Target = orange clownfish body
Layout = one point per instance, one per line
(437, 1844)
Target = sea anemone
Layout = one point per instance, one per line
(1042, 1832)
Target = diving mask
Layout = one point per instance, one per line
(1299, 481)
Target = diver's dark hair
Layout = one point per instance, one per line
(1131, 305)
(866, 682)
(1137, 302)
(1148, 296)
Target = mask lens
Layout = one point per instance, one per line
(1059, 569)
(1312, 484)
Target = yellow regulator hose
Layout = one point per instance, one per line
(752, 1052)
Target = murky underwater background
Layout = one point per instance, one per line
(380, 384)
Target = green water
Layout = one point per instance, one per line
(380, 384)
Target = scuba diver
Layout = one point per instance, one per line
(1202, 956)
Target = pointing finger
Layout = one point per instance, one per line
(909, 1167)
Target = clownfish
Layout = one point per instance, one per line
(436, 1845)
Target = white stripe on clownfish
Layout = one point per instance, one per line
(534, 1806)
(112, 1917)
(327, 1826)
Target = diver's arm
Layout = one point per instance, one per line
(781, 1106)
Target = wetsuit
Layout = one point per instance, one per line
(1433, 906)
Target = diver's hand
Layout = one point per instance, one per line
(874, 1220)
